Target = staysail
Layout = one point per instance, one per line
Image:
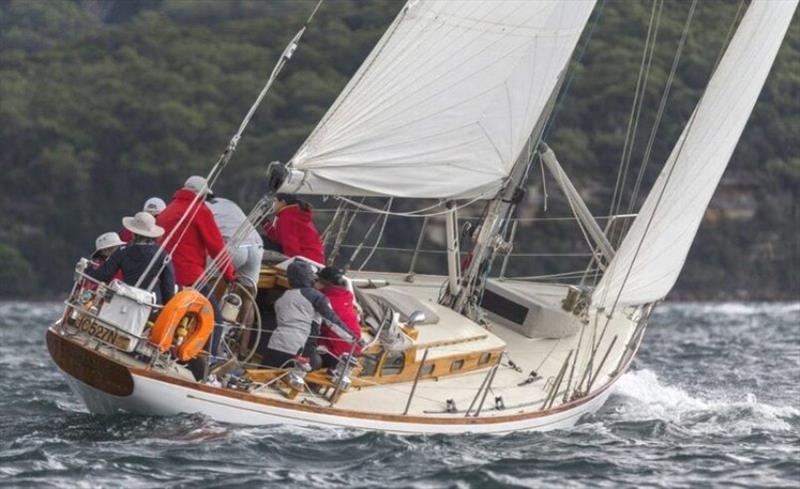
(652, 254)
(445, 103)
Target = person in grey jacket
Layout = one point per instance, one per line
(246, 253)
(299, 312)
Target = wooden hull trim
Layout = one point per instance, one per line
(91, 368)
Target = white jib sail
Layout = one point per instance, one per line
(652, 254)
(446, 101)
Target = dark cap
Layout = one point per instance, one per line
(300, 274)
(332, 275)
(288, 198)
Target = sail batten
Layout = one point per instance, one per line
(445, 103)
(653, 252)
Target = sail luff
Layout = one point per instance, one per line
(445, 103)
(653, 253)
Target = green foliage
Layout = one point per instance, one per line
(104, 104)
(32, 25)
(16, 274)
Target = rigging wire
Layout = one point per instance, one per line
(481, 278)
(379, 238)
(669, 174)
(367, 235)
(656, 124)
(571, 77)
(224, 158)
(253, 221)
(332, 224)
(417, 213)
(659, 116)
(636, 108)
(729, 37)
(344, 228)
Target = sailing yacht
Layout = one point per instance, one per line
(450, 106)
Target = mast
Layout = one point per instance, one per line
(453, 251)
(464, 300)
(443, 108)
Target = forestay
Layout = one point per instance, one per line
(652, 254)
(445, 103)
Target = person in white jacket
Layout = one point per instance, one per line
(246, 254)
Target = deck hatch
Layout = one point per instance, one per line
(504, 307)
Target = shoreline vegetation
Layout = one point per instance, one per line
(106, 103)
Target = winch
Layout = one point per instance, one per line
(231, 305)
(341, 373)
(296, 376)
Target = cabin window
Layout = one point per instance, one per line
(369, 365)
(484, 359)
(427, 369)
(456, 365)
(393, 364)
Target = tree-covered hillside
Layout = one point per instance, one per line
(106, 103)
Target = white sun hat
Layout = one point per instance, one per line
(196, 184)
(154, 206)
(107, 240)
(143, 224)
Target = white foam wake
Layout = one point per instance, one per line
(645, 397)
(733, 308)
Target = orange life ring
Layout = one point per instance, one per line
(189, 304)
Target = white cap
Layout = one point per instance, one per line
(154, 206)
(196, 184)
(143, 224)
(107, 240)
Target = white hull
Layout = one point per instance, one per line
(155, 397)
(110, 381)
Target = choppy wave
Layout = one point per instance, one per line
(642, 396)
(712, 400)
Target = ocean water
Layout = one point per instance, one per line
(712, 400)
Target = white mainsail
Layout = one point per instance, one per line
(446, 101)
(652, 254)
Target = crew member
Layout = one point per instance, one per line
(197, 237)
(298, 311)
(134, 259)
(331, 283)
(247, 252)
(152, 206)
(293, 229)
(104, 246)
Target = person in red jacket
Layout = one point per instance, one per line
(293, 229)
(331, 283)
(197, 238)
